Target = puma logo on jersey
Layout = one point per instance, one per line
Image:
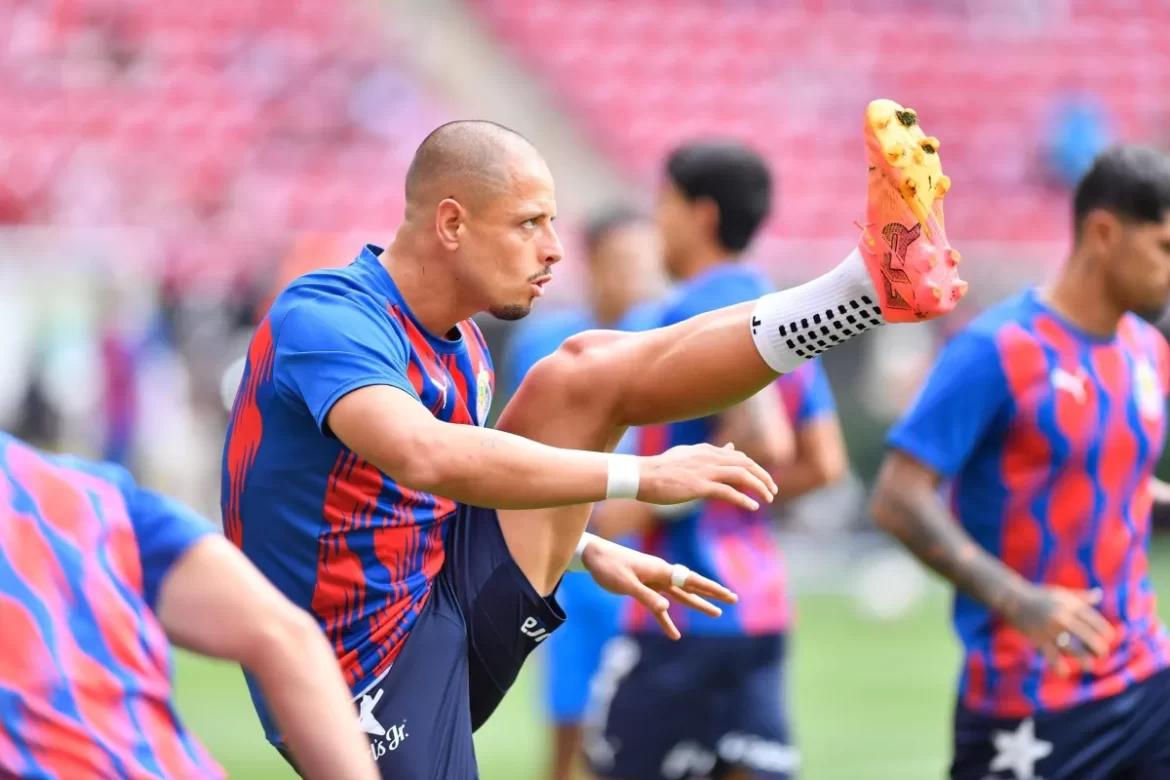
(1074, 384)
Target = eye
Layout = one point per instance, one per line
(530, 223)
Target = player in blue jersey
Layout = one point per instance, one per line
(358, 473)
(712, 704)
(624, 258)
(96, 574)
(1047, 418)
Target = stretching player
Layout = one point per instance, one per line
(355, 464)
(96, 574)
(623, 253)
(1048, 415)
(712, 704)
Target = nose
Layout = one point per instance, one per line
(553, 252)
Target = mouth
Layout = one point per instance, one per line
(538, 284)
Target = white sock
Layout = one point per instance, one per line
(796, 325)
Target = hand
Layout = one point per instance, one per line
(703, 471)
(1063, 623)
(628, 572)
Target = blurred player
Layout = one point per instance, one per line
(96, 574)
(1047, 415)
(624, 257)
(357, 460)
(712, 704)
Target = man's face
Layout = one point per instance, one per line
(681, 223)
(625, 267)
(509, 244)
(1136, 257)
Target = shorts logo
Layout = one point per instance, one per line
(483, 395)
(531, 628)
(1149, 394)
(1019, 750)
(382, 740)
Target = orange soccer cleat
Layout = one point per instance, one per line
(903, 241)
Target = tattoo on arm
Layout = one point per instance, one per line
(921, 521)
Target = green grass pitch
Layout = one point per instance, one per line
(869, 699)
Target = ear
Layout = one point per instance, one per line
(707, 211)
(1101, 228)
(449, 218)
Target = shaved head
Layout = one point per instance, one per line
(480, 205)
(467, 161)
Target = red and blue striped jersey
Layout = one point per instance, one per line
(718, 540)
(1048, 437)
(85, 667)
(332, 532)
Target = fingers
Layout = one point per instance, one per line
(667, 625)
(746, 481)
(693, 602)
(732, 496)
(759, 472)
(655, 602)
(702, 586)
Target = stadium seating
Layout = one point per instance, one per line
(793, 78)
(195, 114)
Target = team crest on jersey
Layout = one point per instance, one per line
(1148, 391)
(483, 395)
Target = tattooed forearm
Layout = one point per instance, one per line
(919, 519)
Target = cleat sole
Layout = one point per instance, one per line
(922, 182)
(904, 242)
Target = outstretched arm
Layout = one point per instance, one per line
(214, 602)
(349, 366)
(495, 469)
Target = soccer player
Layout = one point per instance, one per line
(359, 477)
(712, 704)
(96, 574)
(624, 261)
(1047, 416)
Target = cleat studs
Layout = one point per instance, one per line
(953, 256)
(942, 186)
(930, 144)
(907, 117)
(909, 185)
(936, 291)
(895, 152)
(960, 289)
(919, 157)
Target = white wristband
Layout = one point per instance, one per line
(577, 563)
(622, 480)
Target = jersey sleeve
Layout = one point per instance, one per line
(958, 404)
(164, 528)
(332, 345)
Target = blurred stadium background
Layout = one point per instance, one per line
(166, 165)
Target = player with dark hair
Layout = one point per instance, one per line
(624, 261)
(357, 472)
(1047, 416)
(712, 704)
(96, 574)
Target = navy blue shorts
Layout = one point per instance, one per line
(699, 707)
(464, 651)
(1124, 737)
